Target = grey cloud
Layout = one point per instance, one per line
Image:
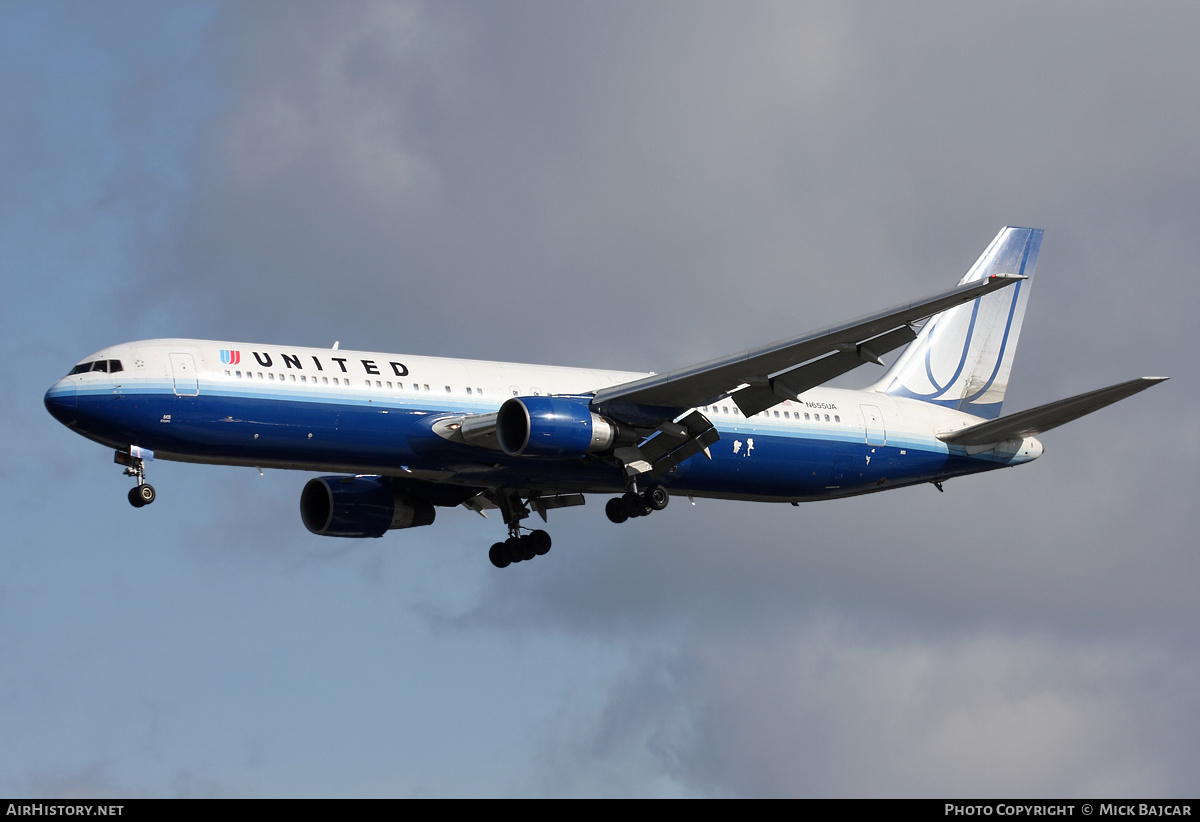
(642, 186)
(822, 707)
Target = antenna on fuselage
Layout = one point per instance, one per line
(336, 343)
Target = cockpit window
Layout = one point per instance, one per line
(108, 366)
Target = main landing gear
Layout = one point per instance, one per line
(633, 504)
(143, 493)
(518, 547)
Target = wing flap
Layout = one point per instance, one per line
(1045, 417)
(669, 445)
(791, 384)
(544, 504)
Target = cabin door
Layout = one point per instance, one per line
(873, 425)
(183, 370)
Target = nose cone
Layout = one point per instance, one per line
(62, 401)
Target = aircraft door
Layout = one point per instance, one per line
(873, 425)
(183, 370)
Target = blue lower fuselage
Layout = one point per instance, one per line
(756, 459)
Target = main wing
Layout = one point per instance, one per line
(762, 377)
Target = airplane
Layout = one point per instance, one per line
(405, 435)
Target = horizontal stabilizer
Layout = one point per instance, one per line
(1044, 417)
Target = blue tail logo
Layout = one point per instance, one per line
(962, 358)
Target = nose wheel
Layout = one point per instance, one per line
(140, 495)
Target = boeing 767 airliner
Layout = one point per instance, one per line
(407, 434)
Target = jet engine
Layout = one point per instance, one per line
(359, 507)
(552, 427)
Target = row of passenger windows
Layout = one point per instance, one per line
(787, 415)
(419, 387)
(315, 380)
(108, 366)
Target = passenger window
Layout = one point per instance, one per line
(837, 418)
(826, 418)
(468, 390)
(447, 389)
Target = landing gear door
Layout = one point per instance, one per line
(183, 370)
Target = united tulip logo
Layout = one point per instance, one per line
(230, 357)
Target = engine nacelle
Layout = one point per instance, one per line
(552, 427)
(359, 507)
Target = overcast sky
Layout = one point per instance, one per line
(638, 186)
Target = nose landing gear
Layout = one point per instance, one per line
(143, 493)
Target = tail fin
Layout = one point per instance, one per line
(962, 357)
